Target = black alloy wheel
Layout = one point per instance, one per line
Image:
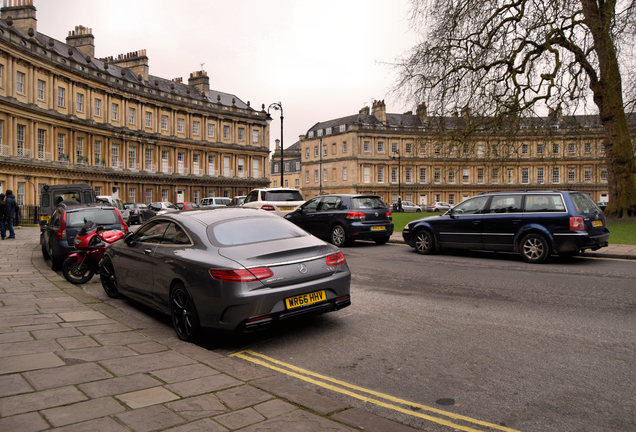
(108, 278)
(76, 272)
(184, 314)
(338, 236)
(534, 248)
(424, 242)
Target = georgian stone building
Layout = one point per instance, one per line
(411, 156)
(291, 164)
(68, 117)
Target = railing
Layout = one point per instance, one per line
(45, 156)
(167, 170)
(242, 174)
(197, 172)
(133, 167)
(213, 173)
(24, 152)
(116, 165)
(151, 168)
(4, 150)
(228, 173)
(182, 171)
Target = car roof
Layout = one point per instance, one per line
(207, 216)
(76, 207)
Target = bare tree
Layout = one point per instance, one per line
(507, 59)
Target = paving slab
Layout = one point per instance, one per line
(241, 418)
(150, 418)
(28, 362)
(207, 405)
(184, 373)
(243, 396)
(113, 386)
(203, 385)
(66, 375)
(104, 424)
(13, 384)
(30, 422)
(82, 411)
(204, 425)
(147, 397)
(145, 362)
(368, 422)
(39, 400)
(86, 315)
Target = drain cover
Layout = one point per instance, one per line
(445, 401)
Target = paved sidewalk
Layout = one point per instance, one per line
(611, 251)
(74, 361)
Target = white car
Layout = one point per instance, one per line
(409, 207)
(278, 200)
(213, 202)
(115, 202)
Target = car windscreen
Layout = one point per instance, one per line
(98, 216)
(252, 230)
(584, 204)
(282, 195)
(223, 201)
(368, 203)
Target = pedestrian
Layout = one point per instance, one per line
(3, 206)
(9, 212)
(399, 204)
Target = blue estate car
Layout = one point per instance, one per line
(532, 223)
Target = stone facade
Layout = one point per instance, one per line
(68, 117)
(424, 159)
(292, 166)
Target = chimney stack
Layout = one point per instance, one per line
(82, 38)
(200, 81)
(422, 113)
(21, 14)
(136, 61)
(378, 109)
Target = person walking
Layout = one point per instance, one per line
(3, 207)
(9, 212)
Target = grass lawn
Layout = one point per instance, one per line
(622, 231)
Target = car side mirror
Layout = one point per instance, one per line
(128, 238)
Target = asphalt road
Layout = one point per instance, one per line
(547, 347)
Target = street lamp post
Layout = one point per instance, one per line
(278, 106)
(399, 159)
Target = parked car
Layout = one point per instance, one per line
(138, 213)
(237, 201)
(602, 205)
(534, 224)
(115, 202)
(408, 207)
(186, 205)
(57, 237)
(232, 268)
(343, 218)
(278, 200)
(439, 206)
(215, 202)
(162, 207)
(52, 195)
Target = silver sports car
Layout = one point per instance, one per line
(228, 268)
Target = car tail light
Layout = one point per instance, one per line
(336, 259)
(268, 207)
(389, 214)
(62, 231)
(242, 275)
(124, 227)
(577, 224)
(355, 215)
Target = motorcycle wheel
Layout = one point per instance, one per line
(75, 272)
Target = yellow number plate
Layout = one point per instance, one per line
(378, 228)
(286, 208)
(305, 299)
(597, 223)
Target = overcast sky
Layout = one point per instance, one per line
(322, 59)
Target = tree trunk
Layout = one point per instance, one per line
(608, 96)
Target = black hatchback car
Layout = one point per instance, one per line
(532, 223)
(344, 218)
(57, 237)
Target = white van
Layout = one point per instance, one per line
(115, 202)
(215, 202)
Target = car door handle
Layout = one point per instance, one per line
(147, 251)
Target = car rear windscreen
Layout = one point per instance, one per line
(282, 195)
(252, 230)
(98, 216)
(584, 204)
(368, 203)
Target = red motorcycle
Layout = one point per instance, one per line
(91, 242)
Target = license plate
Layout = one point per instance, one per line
(286, 208)
(597, 223)
(305, 299)
(378, 228)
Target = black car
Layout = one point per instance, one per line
(56, 237)
(138, 213)
(231, 268)
(532, 223)
(343, 218)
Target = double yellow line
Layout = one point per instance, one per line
(370, 396)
